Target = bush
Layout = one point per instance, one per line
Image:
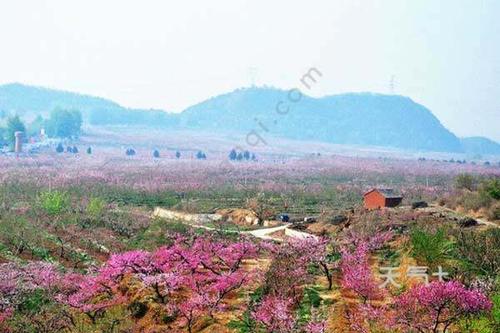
(479, 252)
(465, 181)
(492, 188)
(430, 248)
(53, 202)
(95, 207)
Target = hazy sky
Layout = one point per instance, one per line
(444, 54)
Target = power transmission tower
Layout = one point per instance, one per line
(392, 84)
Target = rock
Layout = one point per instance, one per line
(309, 219)
(419, 204)
(467, 222)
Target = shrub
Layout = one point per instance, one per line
(95, 207)
(465, 181)
(479, 252)
(53, 202)
(492, 188)
(430, 248)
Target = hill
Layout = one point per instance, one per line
(354, 118)
(30, 101)
(362, 118)
(480, 145)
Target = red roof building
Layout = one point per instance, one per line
(379, 198)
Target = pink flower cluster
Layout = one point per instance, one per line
(438, 305)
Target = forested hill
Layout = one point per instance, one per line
(361, 118)
(29, 101)
(353, 118)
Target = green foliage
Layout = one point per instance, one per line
(465, 181)
(486, 323)
(36, 126)
(54, 202)
(479, 252)
(64, 123)
(311, 300)
(17, 234)
(95, 207)
(430, 248)
(246, 324)
(34, 302)
(492, 188)
(157, 233)
(14, 124)
(125, 196)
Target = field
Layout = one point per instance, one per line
(80, 250)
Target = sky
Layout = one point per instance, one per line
(171, 54)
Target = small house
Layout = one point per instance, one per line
(379, 198)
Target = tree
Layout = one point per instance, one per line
(201, 155)
(14, 124)
(156, 153)
(246, 155)
(74, 150)
(233, 154)
(254, 158)
(89, 150)
(130, 152)
(64, 123)
(239, 157)
(60, 148)
(36, 126)
(177, 154)
(438, 305)
(465, 181)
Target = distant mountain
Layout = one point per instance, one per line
(29, 101)
(480, 145)
(362, 118)
(354, 118)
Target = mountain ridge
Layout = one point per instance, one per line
(363, 118)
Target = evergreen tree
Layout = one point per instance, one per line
(89, 150)
(178, 154)
(14, 124)
(233, 154)
(60, 148)
(156, 153)
(246, 155)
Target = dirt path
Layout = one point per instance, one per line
(198, 220)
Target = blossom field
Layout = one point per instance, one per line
(81, 252)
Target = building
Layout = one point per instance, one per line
(378, 198)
